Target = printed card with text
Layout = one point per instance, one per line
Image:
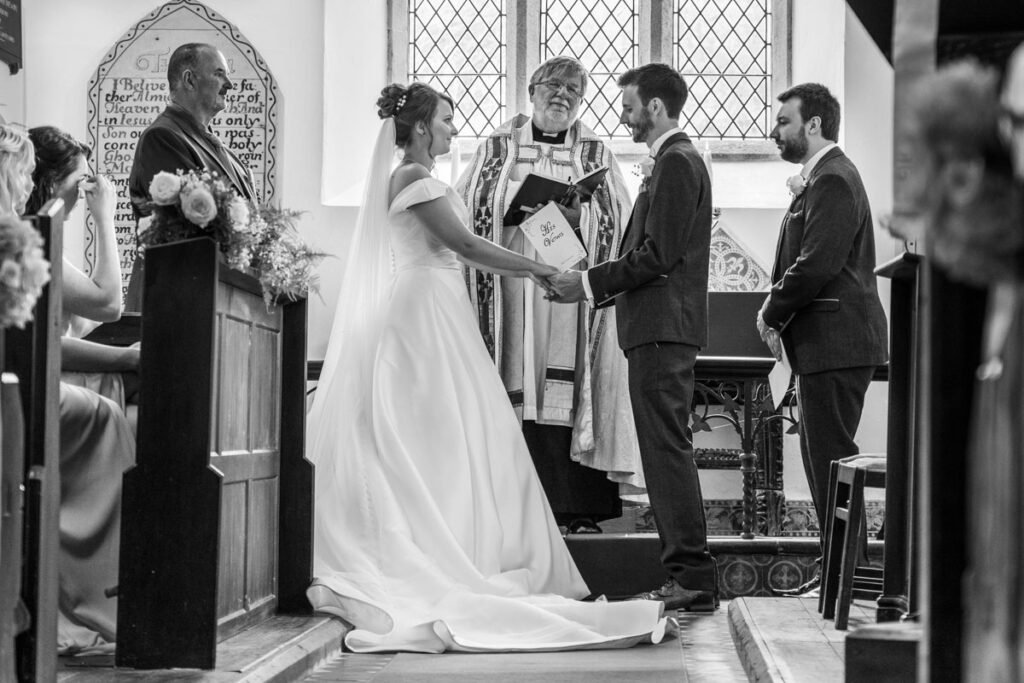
(553, 238)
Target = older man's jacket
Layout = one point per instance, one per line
(175, 141)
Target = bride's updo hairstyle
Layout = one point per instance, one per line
(408, 106)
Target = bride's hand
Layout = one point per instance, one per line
(540, 274)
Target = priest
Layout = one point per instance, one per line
(564, 374)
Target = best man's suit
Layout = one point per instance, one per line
(659, 286)
(825, 302)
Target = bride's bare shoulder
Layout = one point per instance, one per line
(404, 176)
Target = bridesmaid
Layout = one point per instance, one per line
(96, 440)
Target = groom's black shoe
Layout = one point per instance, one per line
(675, 596)
(806, 589)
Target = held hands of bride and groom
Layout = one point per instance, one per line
(565, 287)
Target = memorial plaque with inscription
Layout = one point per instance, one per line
(129, 90)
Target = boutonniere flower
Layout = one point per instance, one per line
(796, 185)
(644, 170)
(646, 167)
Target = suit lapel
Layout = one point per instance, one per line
(833, 153)
(671, 140)
(201, 139)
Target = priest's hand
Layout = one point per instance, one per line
(571, 210)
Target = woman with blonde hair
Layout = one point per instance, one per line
(17, 161)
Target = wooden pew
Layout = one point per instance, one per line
(12, 485)
(217, 533)
(33, 356)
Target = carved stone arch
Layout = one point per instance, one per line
(129, 89)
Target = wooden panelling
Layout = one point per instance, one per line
(261, 535)
(264, 389)
(243, 466)
(232, 420)
(212, 436)
(231, 562)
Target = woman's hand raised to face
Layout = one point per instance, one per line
(100, 196)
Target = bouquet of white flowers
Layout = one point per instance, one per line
(201, 204)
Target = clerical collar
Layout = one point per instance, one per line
(548, 138)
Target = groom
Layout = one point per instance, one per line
(659, 286)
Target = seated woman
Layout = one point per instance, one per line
(96, 441)
(62, 170)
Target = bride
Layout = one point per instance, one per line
(432, 532)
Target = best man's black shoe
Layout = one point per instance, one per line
(806, 589)
(674, 596)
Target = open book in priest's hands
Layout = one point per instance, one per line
(540, 189)
(554, 239)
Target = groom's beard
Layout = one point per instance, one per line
(643, 127)
(793, 150)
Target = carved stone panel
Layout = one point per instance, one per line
(129, 90)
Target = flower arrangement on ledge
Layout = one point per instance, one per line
(201, 204)
(23, 270)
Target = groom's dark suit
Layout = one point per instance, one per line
(659, 286)
(825, 302)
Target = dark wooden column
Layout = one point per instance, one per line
(295, 545)
(33, 354)
(899, 489)
(954, 315)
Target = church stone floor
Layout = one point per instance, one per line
(703, 652)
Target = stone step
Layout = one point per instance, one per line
(279, 650)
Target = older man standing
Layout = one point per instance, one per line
(560, 366)
(180, 138)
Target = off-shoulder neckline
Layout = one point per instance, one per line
(415, 183)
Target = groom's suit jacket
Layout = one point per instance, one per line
(175, 141)
(824, 298)
(659, 284)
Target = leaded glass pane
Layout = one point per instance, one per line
(603, 35)
(723, 49)
(460, 48)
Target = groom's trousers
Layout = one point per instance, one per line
(661, 390)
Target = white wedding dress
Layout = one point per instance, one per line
(432, 530)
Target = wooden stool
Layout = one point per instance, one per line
(846, 533)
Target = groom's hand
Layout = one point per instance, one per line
(567, 287)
